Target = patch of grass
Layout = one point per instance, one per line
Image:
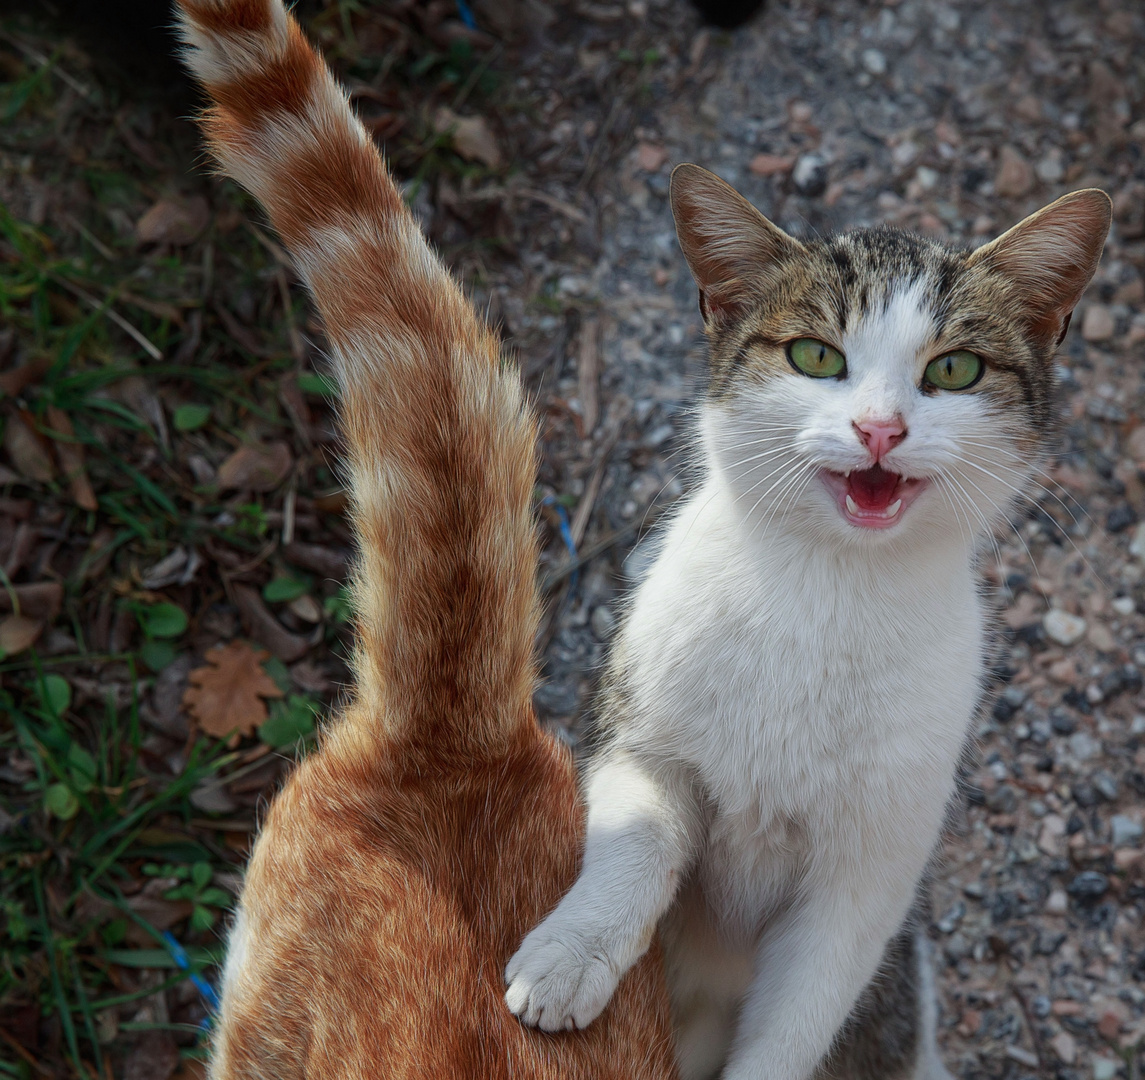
(82, 822)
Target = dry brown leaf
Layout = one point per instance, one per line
(472, 137)
(69, 453)
(27, 451)
(39, 600)
(226, 694)
(770, 164)
(266, 629)
(256, 468)
(17, 633)
(650, 156)
(14, 381)
(174, 221)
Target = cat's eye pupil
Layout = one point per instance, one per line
(817, 359)
(956, 371)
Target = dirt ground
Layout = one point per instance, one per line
(168, 479)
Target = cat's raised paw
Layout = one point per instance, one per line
(558, 981)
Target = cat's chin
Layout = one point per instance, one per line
(872, 498)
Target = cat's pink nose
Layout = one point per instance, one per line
(881, 436)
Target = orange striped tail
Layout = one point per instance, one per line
(440, 440)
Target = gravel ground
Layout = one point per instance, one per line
(956, 120)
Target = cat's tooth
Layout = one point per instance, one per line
(894, 508)
(852, 507)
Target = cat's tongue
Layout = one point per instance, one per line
(872, 489)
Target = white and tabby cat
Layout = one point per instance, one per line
(792, 688)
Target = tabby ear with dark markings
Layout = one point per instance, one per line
(731, 248)
(1050, 258)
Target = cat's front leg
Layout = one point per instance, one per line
(815, 961)
(642, 828)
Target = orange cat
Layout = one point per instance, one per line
(403, 862)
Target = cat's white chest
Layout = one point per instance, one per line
(810, 701)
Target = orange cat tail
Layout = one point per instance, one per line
(440, 440)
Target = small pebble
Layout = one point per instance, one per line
(1098, 323)
(1065, 1046)
(1062, 627)
(1125, 831)
(603, 623)
(1137, 544)
(1057, 903)
(1105, 1068)
(1118, 520)
(810, 174)
(874, 62)
(1084, 746)
(1106, 785)
(1040, 1006)
(949, 922)
(1062, 721)
(1124, 605)
(1023, 1056)
(1088, 885)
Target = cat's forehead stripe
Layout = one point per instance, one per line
(897, 329)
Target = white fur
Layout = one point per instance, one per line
(238, 947)
(220, 58)
(800, 693)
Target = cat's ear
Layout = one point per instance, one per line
(730, 246)
(1050, 257)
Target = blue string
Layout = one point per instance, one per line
(466, 13)
(206, 990)
(566, 535)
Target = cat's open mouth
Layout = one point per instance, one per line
(872, 498)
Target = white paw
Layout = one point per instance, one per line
(559, 979)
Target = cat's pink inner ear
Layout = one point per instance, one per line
(731, 248)
(1051, 257)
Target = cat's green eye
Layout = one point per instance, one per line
(954, 371)
(816, 358)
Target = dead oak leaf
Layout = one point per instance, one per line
(17, 633)
(176, 221)
(226, 694)
(256, 468)
(473, 139)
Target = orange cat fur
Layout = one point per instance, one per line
(404, 861)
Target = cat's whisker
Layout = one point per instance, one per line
(799, 478)
(769, 456)
(789, 437)
(791, 497)
(792, 466)
(946, 494)
(1029, 498)
(1037, 474)
(986, 523)
(761, 481)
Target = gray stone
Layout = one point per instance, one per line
(556, 697)
(1083, 746)
(1002, 800)
(949, 922)
(1125, 831)
(874, 62)
(1088, 885)
(603, 623)
(810, 174)
(1106, 785)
